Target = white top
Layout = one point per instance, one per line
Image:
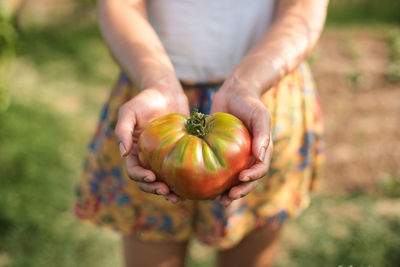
(205, 39)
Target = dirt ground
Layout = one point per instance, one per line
(361, 108)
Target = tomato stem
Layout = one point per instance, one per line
(197, 124)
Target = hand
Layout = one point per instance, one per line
(243, 103)
(134, 115)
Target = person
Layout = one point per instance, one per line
(240, 57)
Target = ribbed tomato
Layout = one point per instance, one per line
(197, 157)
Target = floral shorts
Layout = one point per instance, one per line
(107, 197)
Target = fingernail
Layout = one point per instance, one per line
(122, 150)
(245, 179)
(148, 179)
(159, 192)
(261, 154)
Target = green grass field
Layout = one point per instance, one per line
(57, 83)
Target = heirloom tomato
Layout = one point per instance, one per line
(198, 157)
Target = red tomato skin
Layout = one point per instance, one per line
(197, 168)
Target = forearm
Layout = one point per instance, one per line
(134, 43)
(294, 32)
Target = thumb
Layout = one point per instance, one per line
(124, 130)
(260, 128)
(218, 103)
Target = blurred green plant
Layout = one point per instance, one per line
(8, 34)
(4, 95)
(87, 2)
(361, 12)
(393, 72)
(8, 40)
(354, 78)
(350, 50)
(389, 185)
(394, 44)
(393, 69)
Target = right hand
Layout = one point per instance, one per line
(134, 115)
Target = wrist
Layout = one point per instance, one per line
(238, 86)
(167, 85)
(260, 73)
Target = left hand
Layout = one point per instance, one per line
(244, 103)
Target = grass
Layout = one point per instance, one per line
(39, 169)
(8, 37)
(389, 185)
(362, 12)
(56, 84)
(79, 48)
(53, 93)
(393, 69)
(345, 230)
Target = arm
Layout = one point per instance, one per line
(137, 48)
(294, 32)
(133, 42)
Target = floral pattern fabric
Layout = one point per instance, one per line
(107, 197)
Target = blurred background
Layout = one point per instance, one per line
(55, 73)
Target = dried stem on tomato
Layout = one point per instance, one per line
(197, 124)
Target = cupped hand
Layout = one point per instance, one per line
(134, 115)
(234, 98)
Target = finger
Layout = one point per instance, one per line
(216, 105)
(255, 172)
(137, 172)
(259, 169)
(124, 129)
(173, 198)
(184, 105)
(225, 200)
(158, 188)
(242, 190)
(215, 108)
(260, 127)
